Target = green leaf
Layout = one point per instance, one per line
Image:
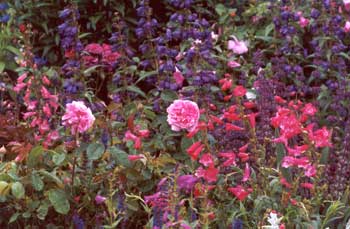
(95, 151)
(120, 157)
(136, 89)
(220, 9)
(51, 177)
(37, 182)
(168, 95)
(3, 188)
(42, 210)
(59, 201)
(33, 156)
(17, 190)
(144, 75)
(13, 50)
(58, 158)
(2, 67)
(14, 217)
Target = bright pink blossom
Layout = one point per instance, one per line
(183, 114)
(78, 117)
(94, 48)
(246, 174)
(239, 91)
(233, 64)
(347, 26)
(303, 22)
(207, 160)
(179, 78)
(240, 192)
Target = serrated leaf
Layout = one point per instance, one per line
(58, 158)
(120, 157)
(37, 182)
(220, 9)
(168, 95)
(17, 190)
(14, 217)
(59, 201)
(33, 156)
(51, 177)
(95, 151)
(42, 210)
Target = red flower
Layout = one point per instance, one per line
(251, 118)
(209, 174)
(239, 91)
(320, 137)
(231, 157)
(207, 160)
(230, 127)
(225, 84)
(195, 149)
(239, 192)
(285, 182)
(279, 100)
(22, 28)
(297, 150)
(307, 185)
(309, 109)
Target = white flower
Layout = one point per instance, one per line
(250, 94)
(274, 221)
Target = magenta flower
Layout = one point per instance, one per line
(78, 117)
(347, 27)
(183, 114)
(237, 46)
(100, 199)
(186, 182)
(303, 22)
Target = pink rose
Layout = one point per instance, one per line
(183, 114)
(78, 117)
(94, 48)
(238, 47)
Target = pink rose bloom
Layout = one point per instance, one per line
(303, 22)
(78, 117)
(94, 48)
(347, 26)
(238, 47)
(183, 114)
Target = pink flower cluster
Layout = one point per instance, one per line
(78, 117)
(99, 54)
(183, 114)
(40, 109)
